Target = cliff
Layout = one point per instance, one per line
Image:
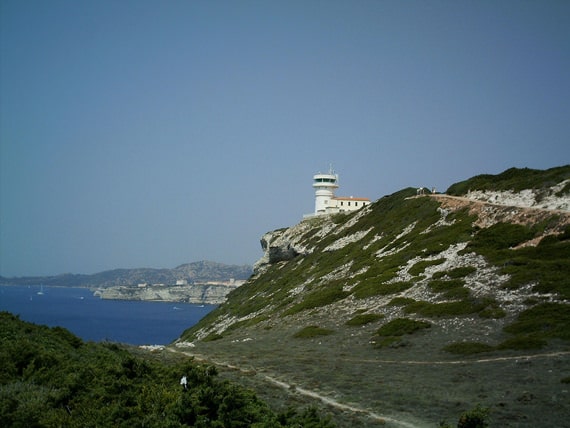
(415, 308)
(197, 293)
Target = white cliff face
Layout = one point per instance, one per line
(528, 198)
(284, 244)
(199, 293)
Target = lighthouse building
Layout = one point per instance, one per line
(325, 200)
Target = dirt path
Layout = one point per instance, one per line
(478, 201)
(305, 392)
(467, 201)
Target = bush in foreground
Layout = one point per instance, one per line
(50, 378)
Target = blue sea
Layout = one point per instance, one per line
(94, 319)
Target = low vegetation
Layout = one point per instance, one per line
(475, 418)
(50, 378)
(390, 334)
(420, 267)
(448, 309)
(318, 298)
(544, 321)
(312, 331)
(363, 319)
(515, 179)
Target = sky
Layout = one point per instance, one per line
(147, 133)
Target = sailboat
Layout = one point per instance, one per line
(41, 292)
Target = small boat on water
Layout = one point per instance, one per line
(41, 292)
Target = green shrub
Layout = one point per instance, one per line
(390, 334)
(323, 296)
(468, 348)
(372, 287)
(312, 331)
(420, 266)
(475, 418)
(441, 285)
(501, 236)
(212, 337)
(401, 326)
(401, 301)
(363, 319)
(548, 320)
(545, 265)
(457, 293)
(67, 383)
(515, 179)
(452, 289)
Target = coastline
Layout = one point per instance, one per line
(204, 294)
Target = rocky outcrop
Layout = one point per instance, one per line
(199, 293)
(551, 198)
(281, 245)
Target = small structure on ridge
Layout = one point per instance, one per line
(325, 200)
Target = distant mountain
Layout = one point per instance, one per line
(196, 272)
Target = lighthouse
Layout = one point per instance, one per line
(324, 185)
(325, 200)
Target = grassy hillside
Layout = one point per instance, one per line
(380, 307)
(413, 253)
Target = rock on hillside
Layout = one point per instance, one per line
(548, 199)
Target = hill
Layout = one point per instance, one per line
(51, 378)
(415, 308)
(196, 272)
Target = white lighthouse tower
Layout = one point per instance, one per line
(325, 185)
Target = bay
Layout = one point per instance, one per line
(94, 319)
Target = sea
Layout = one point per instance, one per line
(94, 319)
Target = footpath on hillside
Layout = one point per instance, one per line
(465, 200)
(291, 388)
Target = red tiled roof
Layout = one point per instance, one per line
(350, 198)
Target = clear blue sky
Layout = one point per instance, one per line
(155, 133)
